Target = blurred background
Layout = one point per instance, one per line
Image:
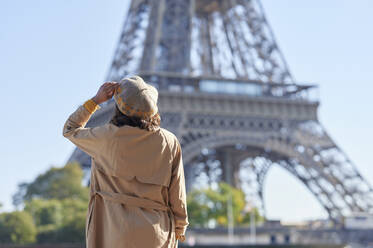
(56, 54)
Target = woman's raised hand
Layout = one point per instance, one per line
(105, 92)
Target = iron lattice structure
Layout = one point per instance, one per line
(226, 92)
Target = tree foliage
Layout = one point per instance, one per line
(17, 228)
(44, 212)
(59, 221)
(55, 204)
(56, 183)
(206, 206)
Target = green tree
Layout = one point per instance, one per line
(17, 228)
(57, 202)
(73, 209)
(56, 183)
(59, 221)
(210, 205)
(47, 214)
(73, 229)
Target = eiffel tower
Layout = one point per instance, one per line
(226, 91)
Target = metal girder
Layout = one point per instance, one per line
(130, 46)
(199, 38)
(327, 173)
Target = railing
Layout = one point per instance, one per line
(180, 83)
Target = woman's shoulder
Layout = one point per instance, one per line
(168, 133)
(171, 138)
(109, 129)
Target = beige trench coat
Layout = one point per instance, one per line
(137, 190)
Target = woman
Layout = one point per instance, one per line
(137, 185)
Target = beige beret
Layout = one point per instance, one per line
(134, 97)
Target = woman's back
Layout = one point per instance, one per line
(146, 165)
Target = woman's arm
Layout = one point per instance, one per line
(88, 139)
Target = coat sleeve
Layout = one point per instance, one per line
(177, 195)
(88, 139)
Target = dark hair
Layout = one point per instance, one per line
(151, 124)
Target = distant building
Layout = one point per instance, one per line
(359, 220)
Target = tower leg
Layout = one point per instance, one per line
(230, 167)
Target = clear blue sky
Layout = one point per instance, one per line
(55, 54)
